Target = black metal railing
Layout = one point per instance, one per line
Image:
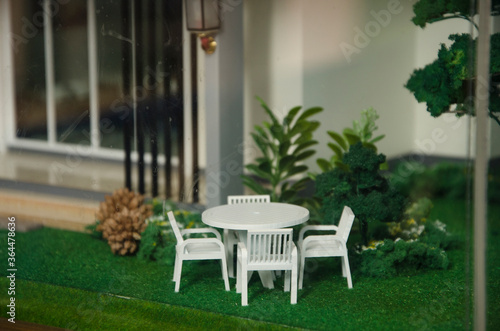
(158, 91)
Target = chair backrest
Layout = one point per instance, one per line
(234, 199)
(270, 246)
(175, 227)
(345, 223)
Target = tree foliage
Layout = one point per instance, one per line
(451, 78)
(361, 131)
(284, 145)
(361, 187)
(430, 11)
(444, 82)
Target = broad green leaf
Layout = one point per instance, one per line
(261, 132)
(284, 146)
(266, 167)
(291, 115)
(324, 165)
(309, 112)
(378, 138)
(370, 146)
(261, 144)
(341, 165)
(268, 111)
(304, 155)
(298, 128)
(303, 138)
(303, 146)
(339, 139)
(296, 170)
(254, 185)
(284, 186)
(336, 149)
(352, 139)
(349, 131)
(300, 184)
(253, 168)
(261, 159)
(286, 162)
(277, 132)
(313, 125)
(287, 195)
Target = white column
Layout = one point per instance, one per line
(224, 109)
(481, 165)
(49, 74)
(93, 75)
(7, 117)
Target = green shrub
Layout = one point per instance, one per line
(158, 240)
(389, 258)
(284, 146)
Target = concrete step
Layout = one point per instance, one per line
(33, 210)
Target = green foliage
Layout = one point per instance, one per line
(92, 229)
(158, 240)
(284, 147)
(361, 131)
(447, 80)
(390, 258)
(361, 187)
(429, 11)
(441, 180)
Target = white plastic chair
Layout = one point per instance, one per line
(267, 250)
(327, 245)
(231, 236)
(196, 249)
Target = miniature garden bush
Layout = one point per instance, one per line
(361, 131)
(158, 240)
(360, 186)
(284, 147)
(413, 244)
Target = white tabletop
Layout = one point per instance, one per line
(252, 216)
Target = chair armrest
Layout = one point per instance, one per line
(202, 230)
(200, 241)
(242, 251)
(319, 239)
(315, 228)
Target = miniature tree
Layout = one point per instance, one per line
(450, 79)
(361, 187)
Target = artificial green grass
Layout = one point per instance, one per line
(77, 309)
(431, 299)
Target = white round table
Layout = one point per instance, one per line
(254, 216)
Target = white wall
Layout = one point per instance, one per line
(358, 54)
(347, 56)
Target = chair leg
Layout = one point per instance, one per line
(348, 271)
(177, 276)
(343, 267)
(224, 272)
(176, 266)
(287, 280)
(301, 272)
(244, 286)
(293, 282)
(229, 247)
